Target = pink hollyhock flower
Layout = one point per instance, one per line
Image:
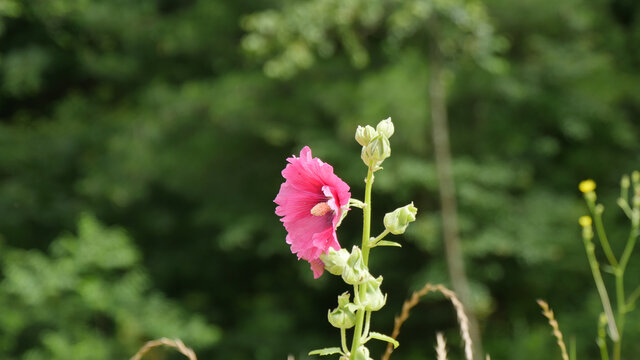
(311, 202)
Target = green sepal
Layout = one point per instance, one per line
(387, 243)
(383, 337)
(335, 261)
(355, 272)
(326, 351)
(361, 353)
(373, 298)
(357, 203)
(397, 221)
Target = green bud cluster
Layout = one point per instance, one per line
(375, 143)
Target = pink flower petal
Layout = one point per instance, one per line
(308, 182)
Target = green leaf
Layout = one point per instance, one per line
(375, 335)
(387, 243)
(326, 351)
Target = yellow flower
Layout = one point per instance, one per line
(587, 186)
(585, 220)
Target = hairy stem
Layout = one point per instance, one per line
(366, 233)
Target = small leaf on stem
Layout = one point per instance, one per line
(326, 351)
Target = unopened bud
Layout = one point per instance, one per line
(365, 134)
(376, 151)
(361, 353)
(587, 232)
(335, 261)
(587, 186)
(585, 220)
(373, 300)
(625, 182)
(599, 209)
(398, 220)
(385, 127)
(344, 316)
(635, 176)
(355, 272)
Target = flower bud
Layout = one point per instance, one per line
(362, 353)
(396, 222)
(385, 127)
(344, 316)
(587, 186)
(625, 182)
(355, 272)
(587, 230)
(365, 134)
(585, 220)
(599, 209)
(376, 151)
(373, 300)
(335, 261)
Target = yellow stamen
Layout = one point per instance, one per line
(320, 209)
(587, 186)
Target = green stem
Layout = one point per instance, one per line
(604, 355)
(343, 340)
(366, 226)
(622, 305)
(602, 337)
(572, 348)
(624, 205)
(633, 298)
(602, 235)
(628, 249)
(367, 323)
(366, 233)
(621, 310)
(380, 237)
(602, 290)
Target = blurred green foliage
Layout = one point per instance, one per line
(89, 299)
(158, 117)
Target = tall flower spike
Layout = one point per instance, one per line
(311, 202)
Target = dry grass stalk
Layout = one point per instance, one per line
(441, 347)
(413, 301)
(176, 344)
(548, 313)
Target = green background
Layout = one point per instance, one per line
(141, 144)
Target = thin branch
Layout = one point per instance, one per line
(176, 344)
(410, 303)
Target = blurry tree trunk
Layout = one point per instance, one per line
(442, 150)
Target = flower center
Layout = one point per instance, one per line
(320, 209)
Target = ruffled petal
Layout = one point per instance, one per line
(309, 181)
